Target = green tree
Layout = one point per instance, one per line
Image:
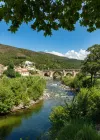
(92, 63)
(58, 116)
(6, 100)
(10, 72)
(18, 74)
(48, 15)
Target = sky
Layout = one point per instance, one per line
(62, 42)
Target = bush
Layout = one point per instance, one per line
(19, 90)
(79, 81)
(86, 105)
(58, 116)
(6, 101)
(75, 130)
(17, 74)
(68, 81)
(10, 72)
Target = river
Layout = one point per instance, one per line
(33, 122)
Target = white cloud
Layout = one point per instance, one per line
(55, 53)
(80, 55)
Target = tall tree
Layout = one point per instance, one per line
(10, 72)
(48, 15)
(92, 62)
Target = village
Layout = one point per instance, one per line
(26, 69)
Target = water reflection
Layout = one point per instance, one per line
(33, 122)
(8, 123)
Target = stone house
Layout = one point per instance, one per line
(22, 71)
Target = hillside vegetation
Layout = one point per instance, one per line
(41, 59)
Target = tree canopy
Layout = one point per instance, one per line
(92, 62)
(10, 72)
(48, 15)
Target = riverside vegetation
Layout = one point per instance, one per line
(15, 91)
(79, 119)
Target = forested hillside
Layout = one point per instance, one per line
(41, 59)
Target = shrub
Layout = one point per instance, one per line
(68, 81)
(10, 72)
(79, 81)
(75, 130)
(19, 90)
(86, 105)
(58, 116)
(17, 74)
(6, 100)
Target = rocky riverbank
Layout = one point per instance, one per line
(67, 87)
(31, 103)
(46, 95)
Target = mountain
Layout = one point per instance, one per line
(41, 59)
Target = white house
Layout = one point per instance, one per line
(29, 65)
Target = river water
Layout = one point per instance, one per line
(33, 122)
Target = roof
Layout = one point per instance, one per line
(1, 65)
(21, 70)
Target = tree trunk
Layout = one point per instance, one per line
(91, 79)
(94, 80)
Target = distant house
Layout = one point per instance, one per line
(25, 72)
(1, 69)
(22, 71)
(29, 65)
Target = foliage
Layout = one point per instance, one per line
(32, 72)
(69, 121)
(79, 81)
(92, 62)
(17, 91)
(10, 72)
(75, 130)
(41, 60)
(91, 65)
(58, 116)
(97, 83)
(85, 105)
(68, 81)
(6, 101)
(48, 15)
(88, 104)
(17, 74)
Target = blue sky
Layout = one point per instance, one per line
(61, 41)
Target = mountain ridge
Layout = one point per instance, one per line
(42, 60)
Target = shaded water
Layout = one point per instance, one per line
(33, 122)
